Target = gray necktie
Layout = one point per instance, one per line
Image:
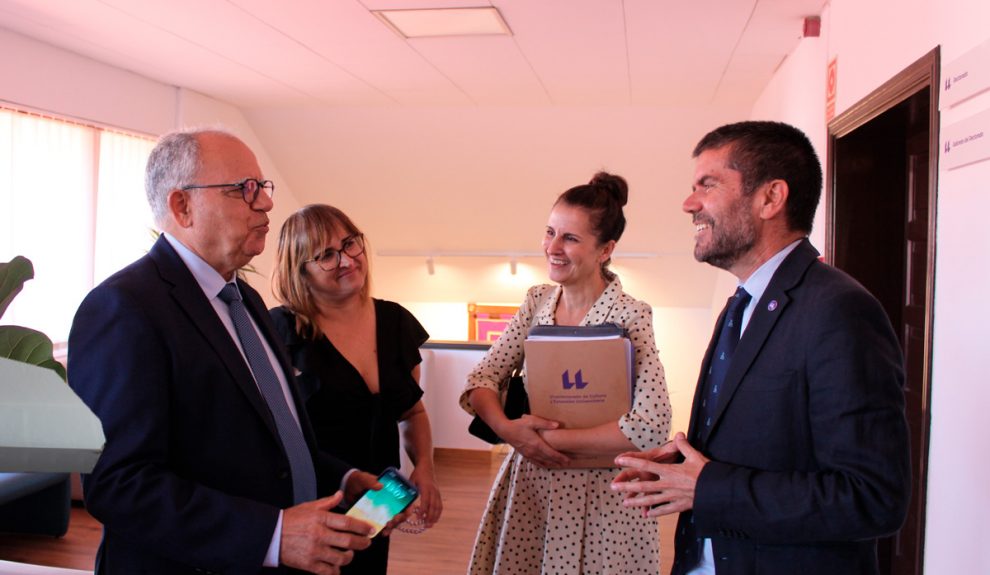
(300, 459)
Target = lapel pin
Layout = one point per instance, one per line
(772, 305)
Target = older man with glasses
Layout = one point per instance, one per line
(210, 464)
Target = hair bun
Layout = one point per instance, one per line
(614, 186)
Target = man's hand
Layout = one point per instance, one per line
(317, 540)
(666, 453)
(650, 481)
(523, 434)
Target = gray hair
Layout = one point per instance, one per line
(172, 165)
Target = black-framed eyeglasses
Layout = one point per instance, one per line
(249, 188)
(329, 260)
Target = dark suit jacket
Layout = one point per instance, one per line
(193, 473)
(809, 444)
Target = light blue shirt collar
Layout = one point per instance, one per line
(757, 283)
(209, 280)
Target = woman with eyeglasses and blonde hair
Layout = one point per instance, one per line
(357, 358)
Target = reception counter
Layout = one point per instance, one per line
(442, 376)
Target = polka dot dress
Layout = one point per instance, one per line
(568, 521)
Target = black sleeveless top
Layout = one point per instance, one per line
(350, 422)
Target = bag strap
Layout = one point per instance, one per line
(518, 369)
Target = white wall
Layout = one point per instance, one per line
(874, 41)
(484, 179)
(579, 141)
(682, 336)
(50, 80)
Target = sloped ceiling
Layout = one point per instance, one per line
(260, 53)
(409, 135)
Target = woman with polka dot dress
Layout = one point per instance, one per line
(544, 517)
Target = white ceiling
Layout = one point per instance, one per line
(266, 53)
(437, 143)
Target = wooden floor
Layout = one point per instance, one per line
(464, 476)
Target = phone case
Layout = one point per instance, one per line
(379, 507)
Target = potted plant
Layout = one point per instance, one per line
(17, 342)
(29, 502)
(44, 426)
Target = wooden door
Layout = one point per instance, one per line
(880, 202)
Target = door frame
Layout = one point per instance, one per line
(924, 72)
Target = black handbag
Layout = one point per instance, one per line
(516, 405)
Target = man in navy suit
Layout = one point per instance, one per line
(796, 458)
(194, 477)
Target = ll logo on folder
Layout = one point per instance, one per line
(580, 377)
(578, 382)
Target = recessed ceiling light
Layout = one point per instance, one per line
(482, 21)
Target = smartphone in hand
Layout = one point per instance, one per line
(379, 507)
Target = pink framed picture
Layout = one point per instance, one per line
(487, 322)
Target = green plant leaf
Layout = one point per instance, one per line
(56, 367)
(13, 274)
(22, 343)
(29, 346)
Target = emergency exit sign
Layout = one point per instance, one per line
(831, 77)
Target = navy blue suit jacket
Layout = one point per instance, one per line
(809, 444)
(193, 473)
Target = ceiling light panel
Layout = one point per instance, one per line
(433, 22)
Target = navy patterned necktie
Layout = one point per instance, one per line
(300, 459)
(718, 366)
